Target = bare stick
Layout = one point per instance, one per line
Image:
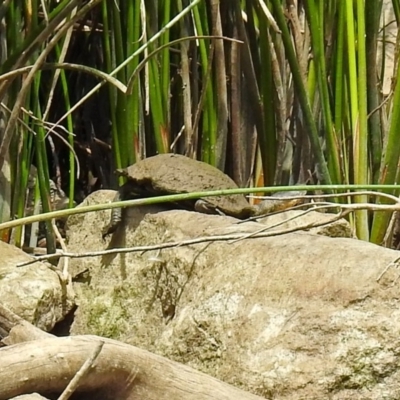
(83, 371)
(122, 372)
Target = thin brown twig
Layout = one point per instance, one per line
(345, 209)
(336, 217)
(204, 239)
(83, 371)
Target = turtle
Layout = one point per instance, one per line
(169, 173)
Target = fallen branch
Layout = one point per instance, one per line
(203, 239)
(120, 372)
(81, 374)
(344, 209)
(99, 367)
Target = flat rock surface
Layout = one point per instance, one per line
(294, 316)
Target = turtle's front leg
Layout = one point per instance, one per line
(116, 217)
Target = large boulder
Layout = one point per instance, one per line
(292, 316)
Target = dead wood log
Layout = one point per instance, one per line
(120, 372)
(36, 361)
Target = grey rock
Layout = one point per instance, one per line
(295, 316)
(33, 292)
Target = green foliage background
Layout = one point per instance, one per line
(273, 92)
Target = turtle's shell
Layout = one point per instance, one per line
(173, 174)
